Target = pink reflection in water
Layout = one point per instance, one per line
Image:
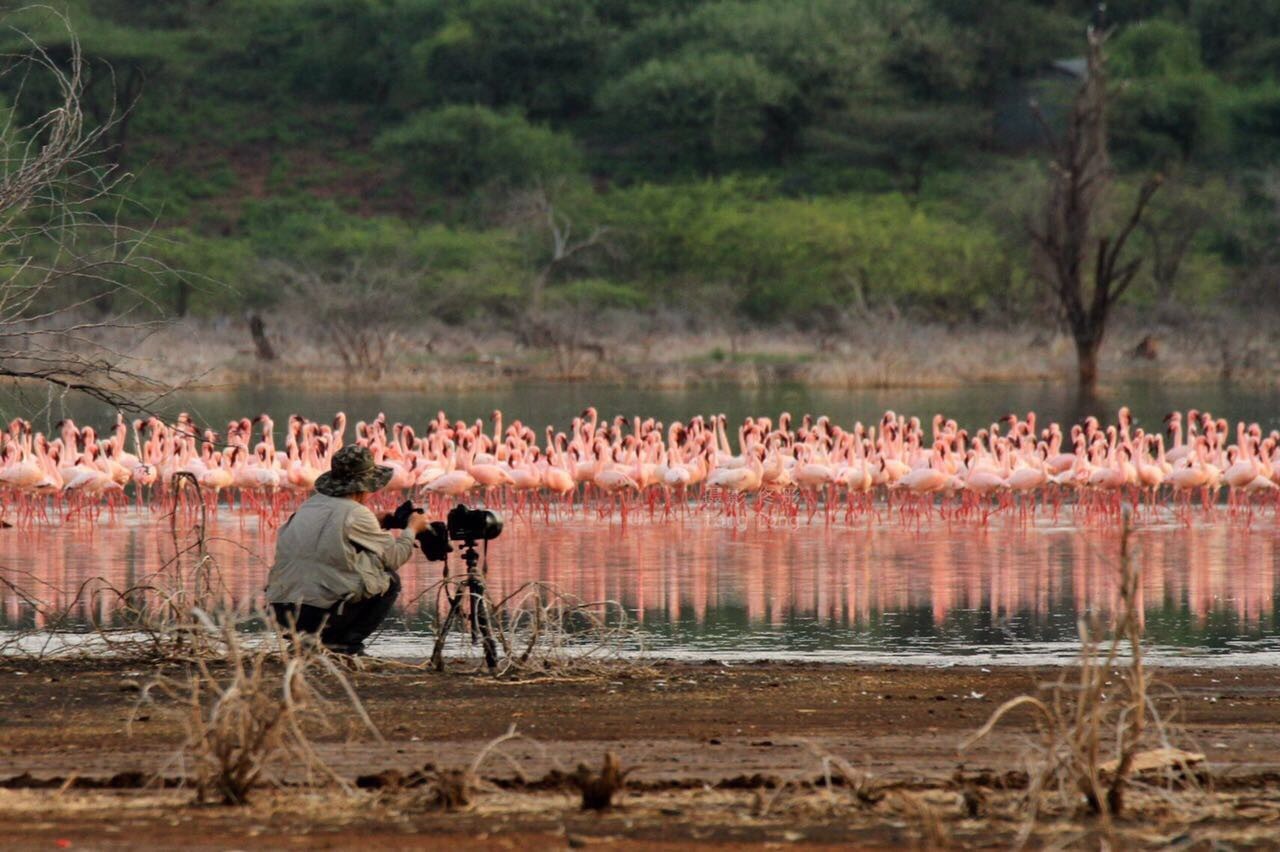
(698, 571)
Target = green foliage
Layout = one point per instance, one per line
(774, 260)
(1177, 118)
(1167, 107)
(1228, 29)
(705, 110)
(1013, 39)
(927, 58)
(320, 234)
(542, 56)
(1155, 48)
(597, 294)
(1259, 61)
(764, 160)
(904, 140)
(778, 66)
(1255, 120)
(344, 50)
(458, 149)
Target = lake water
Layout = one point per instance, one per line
(704, 587)
(542, 404)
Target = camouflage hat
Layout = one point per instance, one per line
(352, 470)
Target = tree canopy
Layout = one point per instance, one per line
(802, 157)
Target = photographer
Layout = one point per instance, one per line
(335, 567)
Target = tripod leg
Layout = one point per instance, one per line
(480, 620)
(437, 653)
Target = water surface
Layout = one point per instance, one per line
(706, 588)
(543, 404)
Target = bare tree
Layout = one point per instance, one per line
(556, 246)
(1087, 273)
(359, 308)
(73, 277)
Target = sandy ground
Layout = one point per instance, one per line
(719, 753)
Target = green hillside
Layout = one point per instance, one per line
(745, 162)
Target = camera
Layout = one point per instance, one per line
(473, 524)
(434, 540)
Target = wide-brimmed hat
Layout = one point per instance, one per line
(352, 470)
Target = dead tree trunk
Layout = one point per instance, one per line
(261, 345)
(1063, 235)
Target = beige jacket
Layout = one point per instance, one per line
(332, 550)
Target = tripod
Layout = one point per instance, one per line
(471, 589)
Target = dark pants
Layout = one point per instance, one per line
(344, 626)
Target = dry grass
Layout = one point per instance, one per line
(539, 631)
(882, 351)
(840, 784)
(249, 721)
(1093, 731)
(542, 628)
(834, 789)
(457, 788)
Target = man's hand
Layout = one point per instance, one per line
(398, 519)
(417, 522)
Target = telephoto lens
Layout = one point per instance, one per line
(474, 524)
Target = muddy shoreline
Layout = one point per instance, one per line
(708, 742)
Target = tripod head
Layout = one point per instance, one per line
(470, 555)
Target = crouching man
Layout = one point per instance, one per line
(335, 568)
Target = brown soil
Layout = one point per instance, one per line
(720, 753)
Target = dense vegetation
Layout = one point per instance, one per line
(807, 162)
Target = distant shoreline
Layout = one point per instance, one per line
(207, 355)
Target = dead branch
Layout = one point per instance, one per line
(71, 275)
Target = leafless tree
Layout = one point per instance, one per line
(556, 247)
(74, 279)
(361, 309)
(1088, 273)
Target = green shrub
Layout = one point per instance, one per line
(702, 110)
(1255, 123)
(1155, 48)
(458, 149)
(1176, 118)
(783, 259)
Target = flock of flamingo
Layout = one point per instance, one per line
(775, 468)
